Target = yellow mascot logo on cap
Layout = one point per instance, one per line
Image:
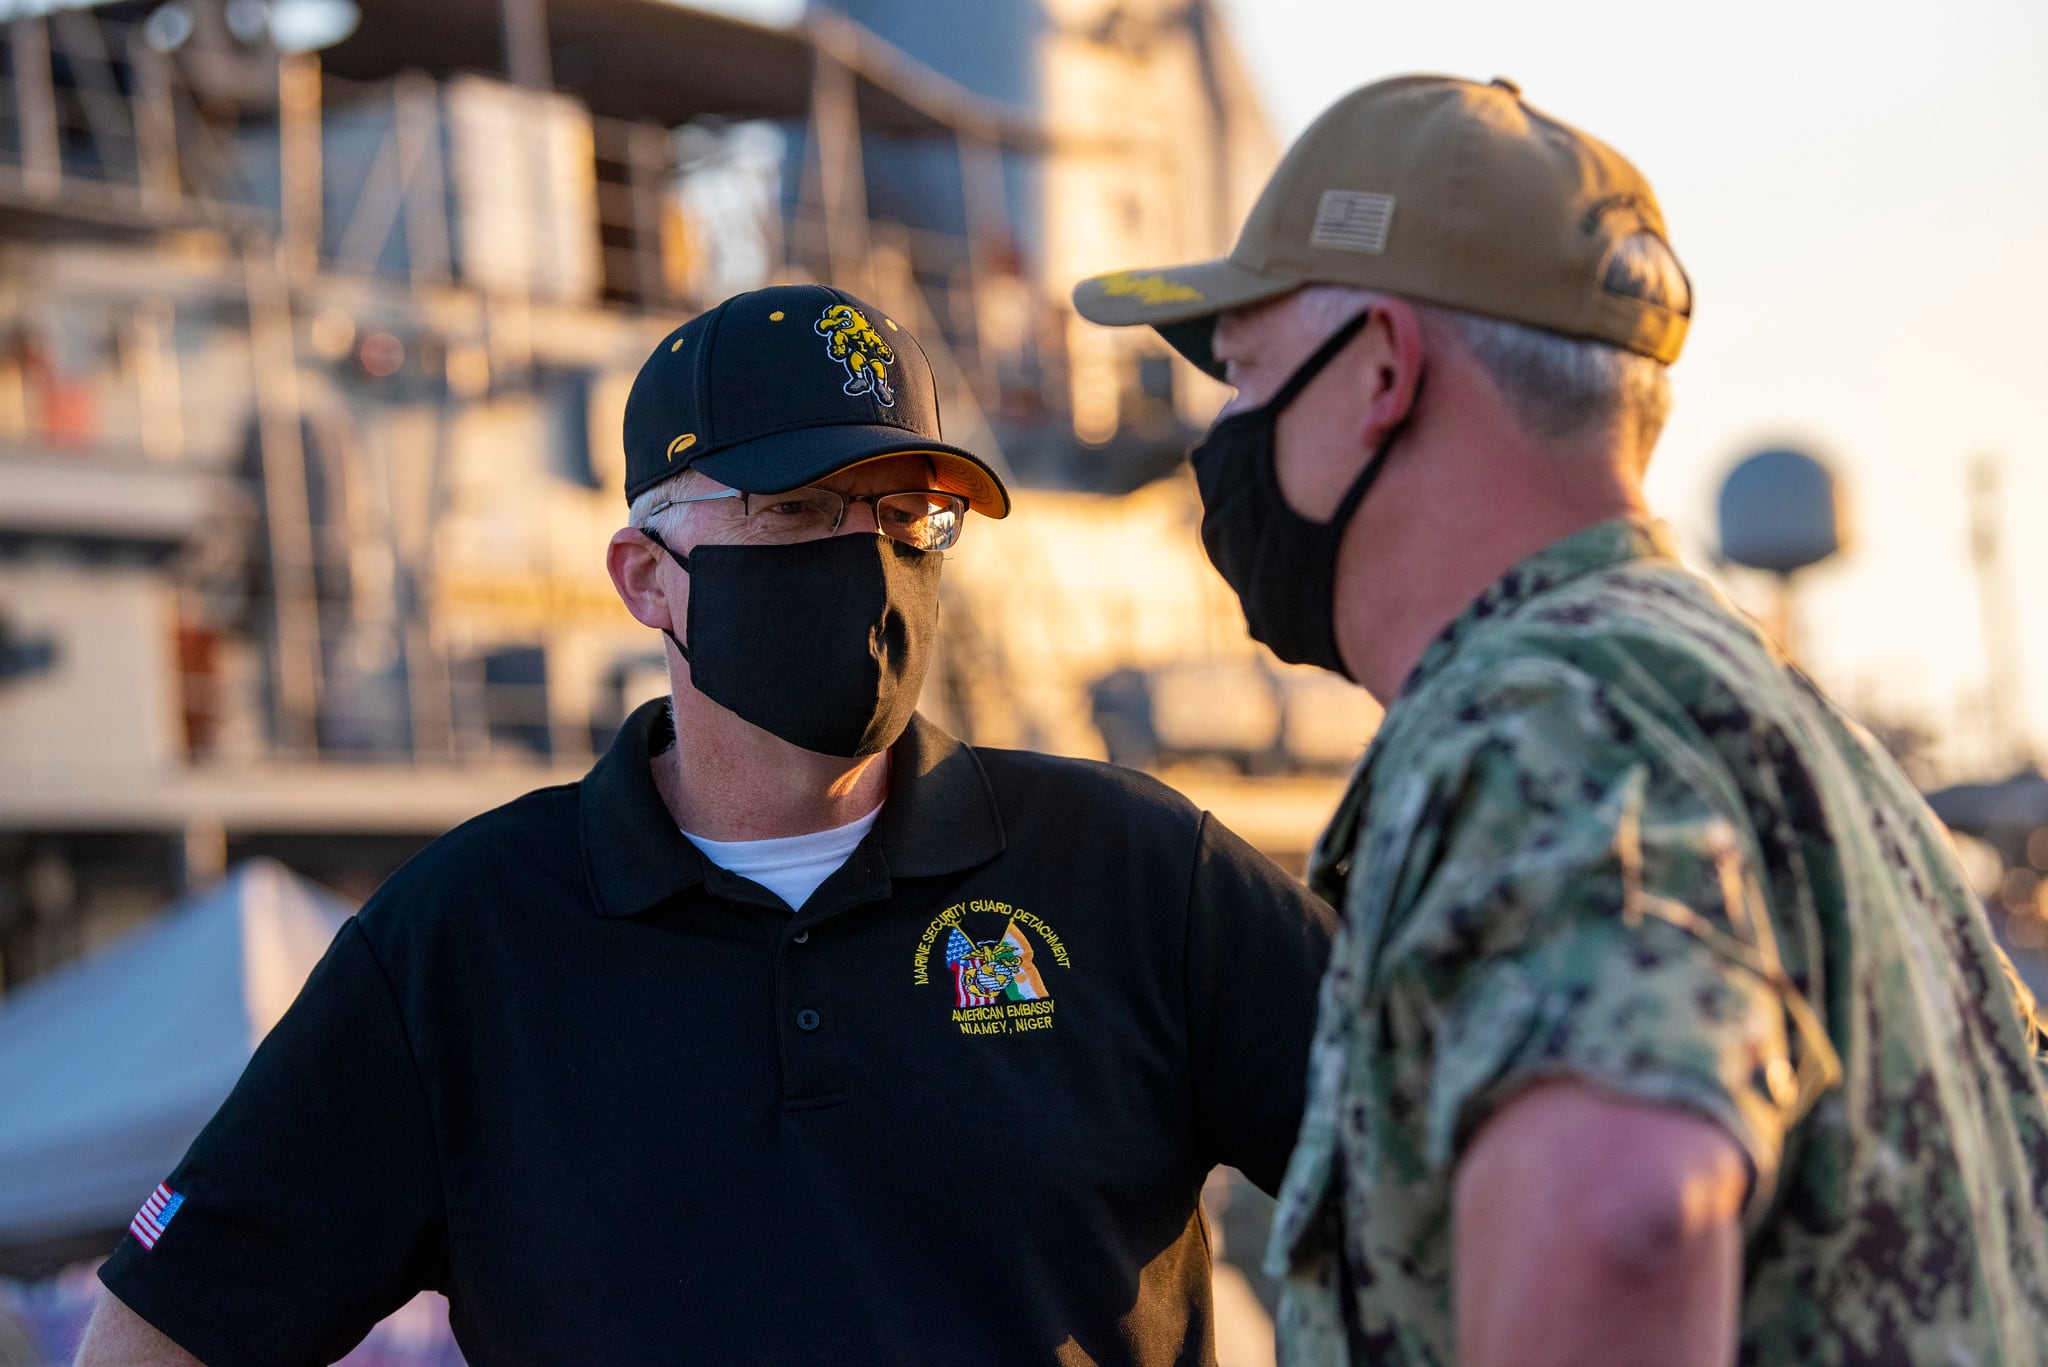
(853, 342)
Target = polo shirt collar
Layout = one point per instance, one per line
(633, 853)
(940, 817)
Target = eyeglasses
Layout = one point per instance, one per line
(924, 518)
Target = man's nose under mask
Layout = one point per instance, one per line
(822, 643)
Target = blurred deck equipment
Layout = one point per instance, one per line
(316, 320)
(112, 1064)
(2010, 816)
(1781, 512)
(1250, 716)
(310, 25)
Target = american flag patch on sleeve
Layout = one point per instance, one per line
(148, 1224)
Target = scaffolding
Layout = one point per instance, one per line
(274, 326)
(310, 368)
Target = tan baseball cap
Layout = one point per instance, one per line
(1443, 191)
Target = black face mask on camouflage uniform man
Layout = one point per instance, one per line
(1398, 193)
(1282, 565)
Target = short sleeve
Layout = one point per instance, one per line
(312, 1201)
(1595, 913)
(1257, 943)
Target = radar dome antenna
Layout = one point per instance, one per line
(1781, 512)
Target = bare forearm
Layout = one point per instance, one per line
(118, 1337)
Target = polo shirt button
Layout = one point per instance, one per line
(801, 936)
(807, 1019)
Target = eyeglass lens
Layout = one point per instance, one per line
(928, 521)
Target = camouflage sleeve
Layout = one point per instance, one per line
(1592, 911)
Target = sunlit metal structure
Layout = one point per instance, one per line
(311, 366)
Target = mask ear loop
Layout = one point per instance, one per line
(1347, 507)
(1369, 476)
(1322, 357)
(681, 560)
(1268, 413)
(1300, 380)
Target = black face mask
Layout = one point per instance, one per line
(823, 643)
(1282, 565)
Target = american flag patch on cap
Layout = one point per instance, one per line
(148, 1224)
(1353, 221)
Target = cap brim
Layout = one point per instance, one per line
(790, 460)
(1180, 301)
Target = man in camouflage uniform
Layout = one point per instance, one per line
(1663, 1027)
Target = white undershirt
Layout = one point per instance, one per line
(790, 866)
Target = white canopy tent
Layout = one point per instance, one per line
(110, 1066)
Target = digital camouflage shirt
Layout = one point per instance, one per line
(1608, 833)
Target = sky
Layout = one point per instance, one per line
(1859, 192)
(1860, 195)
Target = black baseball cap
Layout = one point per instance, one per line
(779, 387)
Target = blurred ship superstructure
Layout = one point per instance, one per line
(311, 368)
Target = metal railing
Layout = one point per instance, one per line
(316, 188)
(98, 127)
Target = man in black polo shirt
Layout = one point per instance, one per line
(798, 1032)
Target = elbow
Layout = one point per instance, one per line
(1657, 1221)
(1591, 1229)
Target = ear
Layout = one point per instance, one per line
(634, 563)
(1393, 347)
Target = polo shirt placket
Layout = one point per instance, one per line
(624, 1105)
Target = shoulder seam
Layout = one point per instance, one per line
(1133, 782)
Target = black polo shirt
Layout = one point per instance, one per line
(623, 1107)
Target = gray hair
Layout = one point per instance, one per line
(1559, 387)
(668, 523)
(1563, 387)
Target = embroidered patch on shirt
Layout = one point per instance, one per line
(148, 1224)
(998, 986)
(1353, 221)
